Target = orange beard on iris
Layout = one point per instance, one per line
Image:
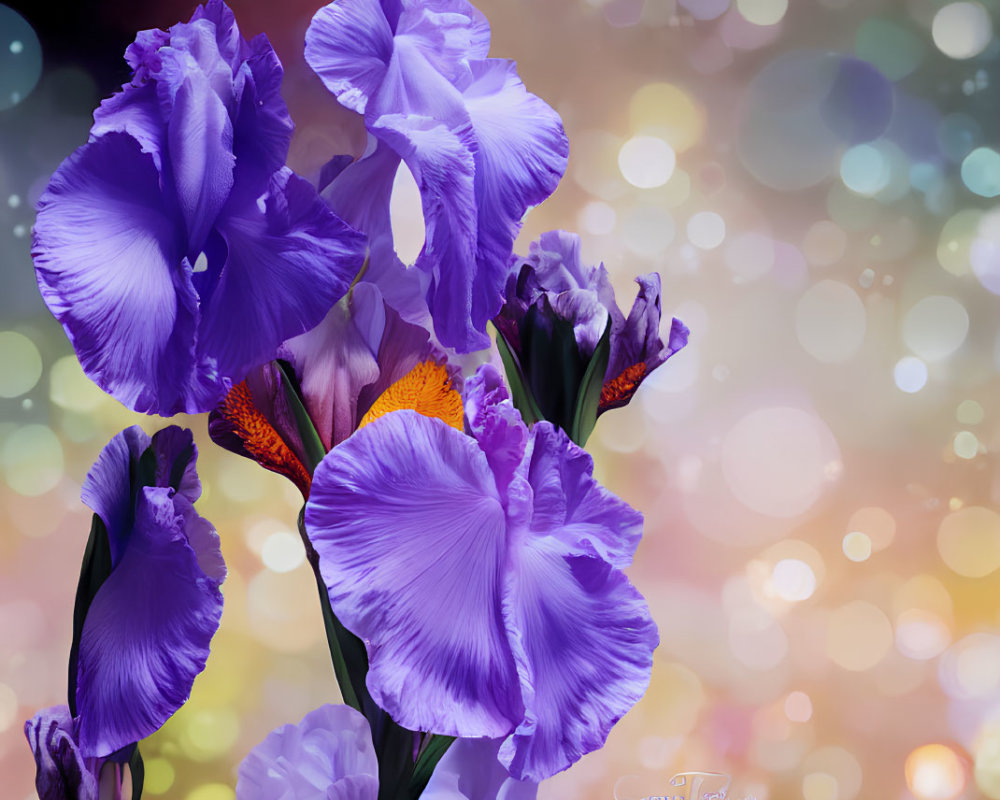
(426, 389)
(260, 439)
(619, 390)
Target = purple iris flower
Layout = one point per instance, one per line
(149, 619)
(329, 754)
(555, 313)
(481, 147)
(339, 369)
(484, 574)
(175, 247)
(62, 772)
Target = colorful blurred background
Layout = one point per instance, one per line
(815, 181)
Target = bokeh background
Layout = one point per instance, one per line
(815, 181)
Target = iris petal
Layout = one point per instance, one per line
(469, 770)
(290, 259)
(571, 506)
(148, 628)
(133, 329)
(411, 549)
(583, 640)
(349, 44)
(328, 754)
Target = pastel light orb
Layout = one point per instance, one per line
(935, 772)
(962, 30)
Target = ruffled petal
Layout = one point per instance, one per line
(636, 347)
(134, 110)
(583, 640)
(449, 34)
(571, 506)
(492, 419)
(328, 755)
(109, 267)
(289, 260)
(147, 632)
(262, 126)
(61, 772)
(442, 165)
(409, 528)
(522, 153)
(469, 770)
(349, 44)
(107, 489)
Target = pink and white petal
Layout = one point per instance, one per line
(328, 754)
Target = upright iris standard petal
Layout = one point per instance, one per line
(61, 771)
(483, 150)
(175, 248)
(426, 534)
(328, 754)
(408, 525)
(147, 629)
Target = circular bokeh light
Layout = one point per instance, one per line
(910, 374)
(969, 541)
(935, 772)
(646, 161)
(776, 460)
(981, 172)
(936, 327)
(830, 322)
(962, 30)
(706, 230)
(20, 58)
(22, 364)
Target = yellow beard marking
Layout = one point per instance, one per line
(425, 389)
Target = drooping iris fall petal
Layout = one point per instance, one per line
(147, 630)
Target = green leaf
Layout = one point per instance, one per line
(311, 442)
(589, 397)
(138, 772)
(428, 759)
(393, 743)
(520, 392)
(94, 570)
(336, 634)
(395, 759)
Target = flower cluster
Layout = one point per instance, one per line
(482, 631)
